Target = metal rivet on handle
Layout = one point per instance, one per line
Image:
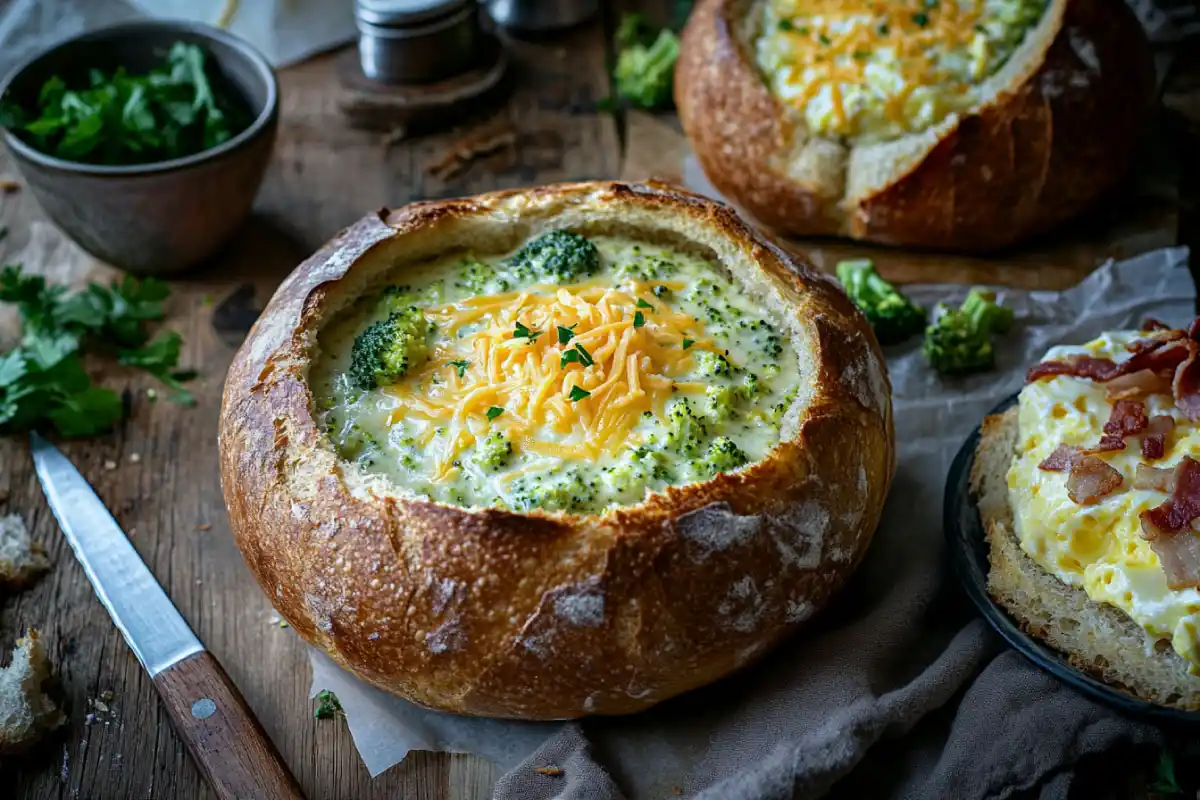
(204, 708)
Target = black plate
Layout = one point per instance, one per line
(969, 558)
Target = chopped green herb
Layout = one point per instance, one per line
(494, 412)
(921, 18)
(585, 357)
(639, 319)
(643, 304)
(172, 111)
(569, 357)
(802, 31)
(578, 394)
(688, 342)
(460, 367)
(883, 29)
(521, 332)
(327, 705)
(861, 55)
(786, 25)
(566, 334)
(823, 39)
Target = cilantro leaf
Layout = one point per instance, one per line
(568, 357)
(86, 413)
(566, 334)
(494, 412)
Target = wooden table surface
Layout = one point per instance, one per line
(158, 471)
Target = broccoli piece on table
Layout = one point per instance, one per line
(960, 340)
(558, 256)
(386, 350)
(645, 73)
(723, 455)
(327, 705)
(893, 316)
(686, 431)
(494, 452)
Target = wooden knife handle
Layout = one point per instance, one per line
(226, 740)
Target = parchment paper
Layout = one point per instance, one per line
(887, 652)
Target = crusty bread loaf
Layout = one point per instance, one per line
(1096, 637)
(551, 615)
(1056, 126)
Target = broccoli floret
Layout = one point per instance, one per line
(384, 352)
(686, 431)
(713, 365)
(565, 491)
(641, 466)
(559, 256)
(893, 316)
(722, 456)
(722, 401)
(494, 452)
(645, 74)
(960, 340)
(648, 268)
(780, 408)
(479, 278)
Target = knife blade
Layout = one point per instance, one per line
(229, 745)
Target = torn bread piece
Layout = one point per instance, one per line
(21, 559)
(25, 712)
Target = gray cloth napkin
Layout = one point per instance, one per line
(848, 707)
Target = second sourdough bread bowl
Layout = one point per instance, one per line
(1049, 130)
(477, 608)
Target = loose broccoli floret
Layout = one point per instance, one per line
(479, 278)
(565, 491)
(713, 365)
(893, 316)
(384, 352)
(686, 431)
(722, 456)
(645, 74)
(494, 452)
(960, 340)
(641, 466)
(558, 256)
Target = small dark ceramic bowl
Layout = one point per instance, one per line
(164, 216)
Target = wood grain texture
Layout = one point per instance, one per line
(224, 738)
(163, 487)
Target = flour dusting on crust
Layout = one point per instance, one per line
(743, 606)
(715, 528)
(582, 605)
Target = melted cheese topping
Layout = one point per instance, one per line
(1099, 548)
(872, 71)
(577, 385)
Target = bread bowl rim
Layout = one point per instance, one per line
(273, 363)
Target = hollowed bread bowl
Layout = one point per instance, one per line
(1052, 129)
(477, 610)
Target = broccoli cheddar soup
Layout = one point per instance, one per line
(872, 71)
(575, 374)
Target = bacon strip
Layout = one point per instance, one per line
(1153, 479)
(1091, 480)
(1154, 443)
(1164, 350)
(1168, 527)
(1151, 324)
(1060, 460)
(1142, 383)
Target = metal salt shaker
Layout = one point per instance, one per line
(416, 41)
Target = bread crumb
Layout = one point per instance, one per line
(204, 526)
(106, 695)
(676, 790)
(21, 558)
(25, 712)
(9, 185)
(552, 771)
(110, 464)
(135, 458)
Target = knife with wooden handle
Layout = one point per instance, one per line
(209, 714)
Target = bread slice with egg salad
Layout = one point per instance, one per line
(1090, 495)
(949, 124)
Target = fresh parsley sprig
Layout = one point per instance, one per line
(43, 381)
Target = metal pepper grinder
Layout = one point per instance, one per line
(540, 15)
(419, 62)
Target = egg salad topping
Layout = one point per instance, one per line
(1100, 547)
(574, 375)
(871, 71)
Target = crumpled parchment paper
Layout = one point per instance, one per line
(874, 664)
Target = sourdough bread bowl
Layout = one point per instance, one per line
(1070, 483)
(410, 558)
(945, 126)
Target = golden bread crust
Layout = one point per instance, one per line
(1060, 128)
(546, 616)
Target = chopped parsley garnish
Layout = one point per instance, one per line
(883, 29)
(578, 394)
(688, 343)
(494, 412)
(566, 334)
(921, 18)
(639, 319)
(521, 332)
(643, 304)
(823, 39)
(585, 357)
(576, 356)
(460, 366)
(786, 25)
